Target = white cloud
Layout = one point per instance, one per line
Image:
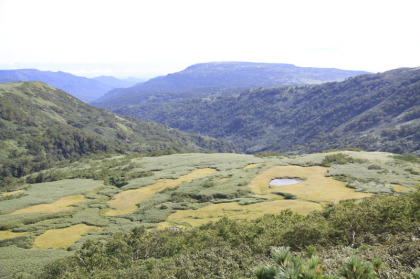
(368, 35)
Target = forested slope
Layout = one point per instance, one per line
(40, 125)
(374, 112)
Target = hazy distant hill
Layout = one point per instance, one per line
(374, 112)
(208, 79)
(118, 83)
(40, 124)
(82, 88)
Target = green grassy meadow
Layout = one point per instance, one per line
(183, 190)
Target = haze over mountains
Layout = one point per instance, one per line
(83, 88)
(219, 78)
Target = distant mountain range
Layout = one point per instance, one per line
(219, 78)
(233, 101)
(84, 89)
(40, 125)
(377, 112)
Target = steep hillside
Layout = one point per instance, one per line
(219, 78)
(374, 112)
(40, 125)
(82, 88)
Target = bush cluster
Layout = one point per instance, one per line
(338, 158)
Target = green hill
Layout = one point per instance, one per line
(85, 89)
(219, 78)
(376, 112)
(40, 125)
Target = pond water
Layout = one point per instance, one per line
(284, 181)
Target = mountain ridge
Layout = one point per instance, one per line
(83, 88)
(219, 78)
(377, 112)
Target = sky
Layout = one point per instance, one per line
(146, 38)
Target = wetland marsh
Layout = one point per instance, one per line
(186, 190)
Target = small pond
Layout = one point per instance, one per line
(284, 181)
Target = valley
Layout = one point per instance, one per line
(375, 112)
(89, 193)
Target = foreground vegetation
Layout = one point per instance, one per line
(378, 227)
(111, 204)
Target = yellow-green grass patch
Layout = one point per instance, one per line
(59, 205)
(49, 192)
(62, 238)
(126, 202)
(9, 234)
(224, 179)
(12, 193)
(314, 190)
(399, 188)
(250, 166)
(186, 218)
(315, 186)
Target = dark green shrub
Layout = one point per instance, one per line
(268, 154)
(411, 171)
(415, 274)
(355, 268)
(289, 266)
(287, 196)
(374, 167)
(266, 272)
(343, 149)
(209, 184)
(338, 158)
(408, 158)
(22, 242)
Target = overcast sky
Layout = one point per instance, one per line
(155, 37)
